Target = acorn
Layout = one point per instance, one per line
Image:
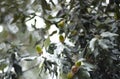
(70, 75)
(39, 49)
(61, 39)
(61, 24)
(78, 63)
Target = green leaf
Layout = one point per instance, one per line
(47, 42)
(48, 23)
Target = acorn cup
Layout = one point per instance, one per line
(74, 69)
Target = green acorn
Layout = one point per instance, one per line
(39, 49)
(70, 75)
(61, 39)
(61, 24)
(78, 63)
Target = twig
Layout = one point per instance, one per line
(83, 51)
(31, 68)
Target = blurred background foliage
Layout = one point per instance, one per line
(59, 39)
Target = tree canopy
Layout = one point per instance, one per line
(60, 39)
